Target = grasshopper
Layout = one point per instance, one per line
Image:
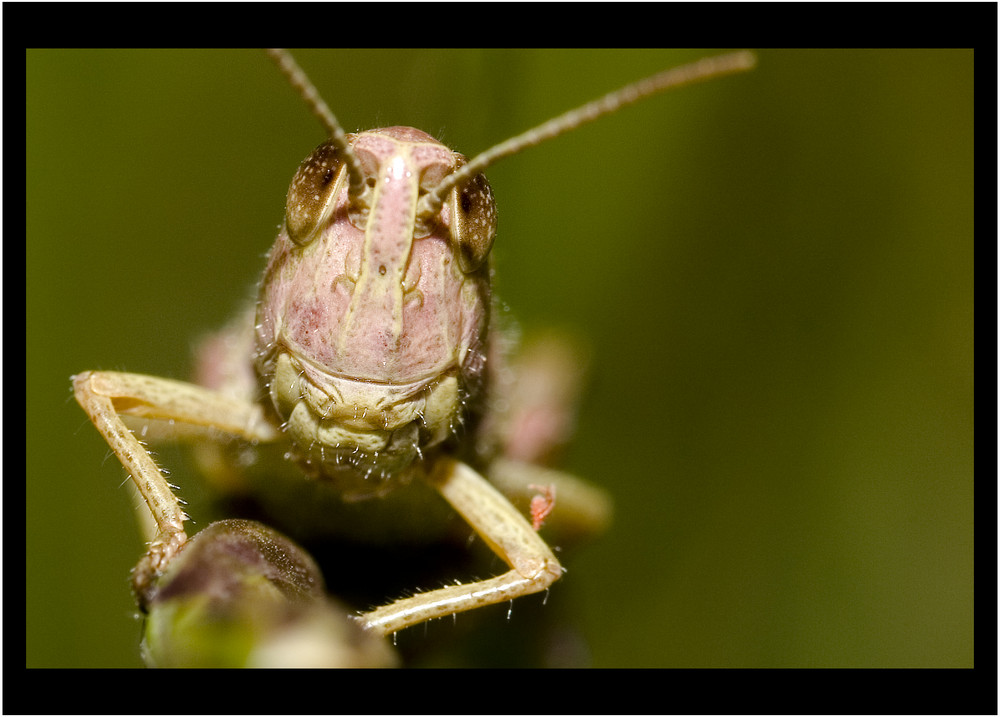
(370, 362)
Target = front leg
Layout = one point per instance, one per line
(106, 396)
(505, 530)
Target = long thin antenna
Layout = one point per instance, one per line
(307, 90)
(704, 69)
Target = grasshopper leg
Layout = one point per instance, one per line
(106, 396)
(505, 530)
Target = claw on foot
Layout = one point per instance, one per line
(154, 563)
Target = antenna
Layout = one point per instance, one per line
(301, 82)
(704, 69)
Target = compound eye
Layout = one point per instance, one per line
(313, 193)
(474, 221)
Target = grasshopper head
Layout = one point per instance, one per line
(372, 314)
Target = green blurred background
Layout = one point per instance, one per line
(774, 272)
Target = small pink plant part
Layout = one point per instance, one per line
(542, 504)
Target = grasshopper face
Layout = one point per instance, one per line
(371, 318)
